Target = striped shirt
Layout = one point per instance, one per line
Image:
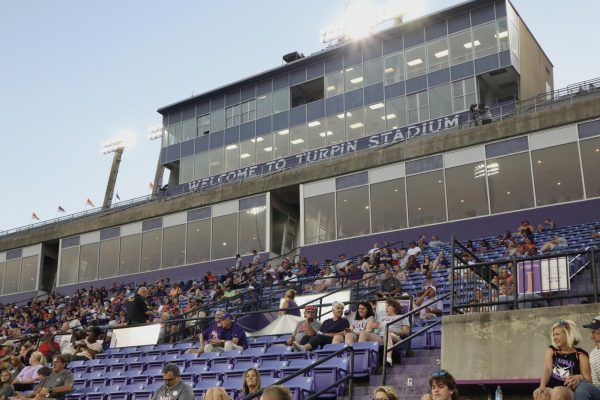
(595, 363)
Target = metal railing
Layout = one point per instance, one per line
(386, 334)
(538, 103)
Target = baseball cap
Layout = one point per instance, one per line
(310, 308)
(595, 324)
(226, 316)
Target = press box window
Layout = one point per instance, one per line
(307, 92)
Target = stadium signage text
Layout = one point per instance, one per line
(334, 150)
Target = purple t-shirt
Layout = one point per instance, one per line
(235, 331)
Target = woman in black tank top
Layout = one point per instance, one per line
(562, 363)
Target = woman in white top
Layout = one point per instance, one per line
(362, 317)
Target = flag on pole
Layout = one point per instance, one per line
(60, 210)
(117, 196)
(34, 216)
(151, 186)
(89, 202)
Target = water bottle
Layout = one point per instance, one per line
(498, 395)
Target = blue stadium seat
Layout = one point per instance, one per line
(366, 356)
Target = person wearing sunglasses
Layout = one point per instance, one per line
(443, 387)
(563, 362)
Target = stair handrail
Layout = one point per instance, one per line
(387, 349)
(588, 262)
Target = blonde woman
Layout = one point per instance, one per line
(251, 382)
(28, 375)
(385, 393)
(288, 302)
(216, 393)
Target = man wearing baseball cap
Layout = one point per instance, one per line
(230, 336)
(586, 390)
(305, 329)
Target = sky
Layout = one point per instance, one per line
(75, 74)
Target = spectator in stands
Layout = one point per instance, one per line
(443, 387)
(173, 387)
(250, 382)
(209, 333)
(525, 229)
(435, 241)
(413, 249)
(59, 383)
(289, 306)
(42, 374)
(28, 375)
(353, 273)
(390, 286)
(255, 257)
(596, 233)
(440, 262)
(239, 262)
(426, 264)
(8, 348)
(403, 258)
(137, 308)
(305, 329)
(336, 325)
(412, 264)
(429, 281)
(230, 336)
(358, 323)
(484, 246)
(216, 393)
(529, 247)
(88, 348)
(276, 392)
(326, 282)
(511, 248)
(6, 385)
(548, 225)
(559, 243)
(561, 360)
(385, 393)
(376, 329)
(436, 309)
(13, 364)
(585, 391)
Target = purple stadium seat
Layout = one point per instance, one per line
(301, 387)
(250, 355)
(200, 388)
(330, 348)
(191, 374)
(226, 357)
(295, 366)
(275, 353)
(233, 387)
(159, 349)
(140, 363)
(327, 373)
(102, 392)
(161, 360)
(239, 369)
(146, 392)
(80, 393)
(125, 392)
(103, 379)
(272, 368)
(78, 366)
(215, 372)
(366, 356)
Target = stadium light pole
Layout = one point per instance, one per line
(115, 146)
(154, 134)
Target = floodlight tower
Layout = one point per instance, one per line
(117, 147)
(157, 133)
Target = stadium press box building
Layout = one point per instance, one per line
(366, 141)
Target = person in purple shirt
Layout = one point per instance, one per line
(230, 336)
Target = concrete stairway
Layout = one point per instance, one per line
(410, 378)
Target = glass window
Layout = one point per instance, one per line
(248, 111)
(319, 218)
(374, 118)
(281, 143)
(174, 246)
(2, 269)
(373, 71)
(198, 241)
(108, 266)
(69, 261)
(186, 169)
(352, 207)
(264, 106)
(334, 84)
(130, 254)
(232, 157)
(484, 40)
(395, 112)
(151, 250)
(164, 142)
(217, 162)
(440, 101)
(264, 148)
(29, 274)
(466, 191)
(415, 62)
(590, 159)
(556, 174)
(203, 125)
(201, 165)
(247, 153)
(224, 236)
(174, 134)
(463, 94)
(509, 183)
(353, 77)
(426, 200)
(393, 68)
(281, 100)
(388, 205)
(189, 129)
(502, 34)
(217, 120)
(298, 142)
(316, 134)
(418, 107)
(12, 275)
(88, 262)
(233, 116)
(355, 123)
(513, 33)
(253, 230)
(438, 55)
(336, 128)
(461, 47)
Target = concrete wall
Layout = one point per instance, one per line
(508, 344)
(536, 68)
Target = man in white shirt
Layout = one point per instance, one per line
(413, 249)
(589, 390)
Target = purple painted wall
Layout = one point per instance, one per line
(194, 271)
(19, 298)
(565, 214)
